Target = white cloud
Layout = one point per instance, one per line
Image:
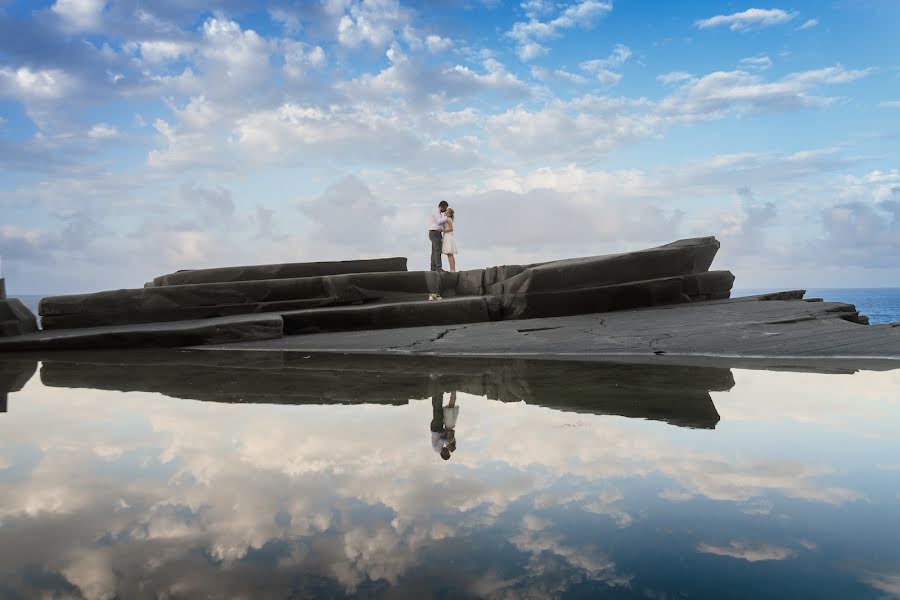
(233, 60)
(713, 95)
(527, 34)
(289, 20)
(35, 85)
(437, 44)
(759, 63)
(544, 74)
(752, 18)
(602, 68)
(809, 24)
(531, 50)
(80, 15)
(889, 104)
(372, 22)
(102, 131)
(674, 77)
(299, 57)
(157, 52)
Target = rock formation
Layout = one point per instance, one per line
(267, 302)
(381, 293)
(15, 318)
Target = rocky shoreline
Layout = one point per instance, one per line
(662, 301)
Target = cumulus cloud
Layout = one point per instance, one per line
(752, 18)
(602, 68)
(437, 44)
(36, 89)
(300, 57)
(529, 34)
(372, 22)
(80, 15)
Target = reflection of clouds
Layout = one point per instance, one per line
(566, 563)
(862, 403)
(720, 479)
(751, 552)
(91, 572)
(605, 504)
(887, 582)
(164, 479)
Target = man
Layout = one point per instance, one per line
(439, 441)
(438, 220)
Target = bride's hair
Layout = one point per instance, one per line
(450, 213)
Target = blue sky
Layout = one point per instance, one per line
(142, 137)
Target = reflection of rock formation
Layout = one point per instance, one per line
(677, 395)
(14, 374)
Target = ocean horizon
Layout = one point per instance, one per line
(881, 305)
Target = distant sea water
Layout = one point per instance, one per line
(881, 305)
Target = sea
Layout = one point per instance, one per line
(881, 305)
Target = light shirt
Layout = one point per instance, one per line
(438, 441)
(437, 220)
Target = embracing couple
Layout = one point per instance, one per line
(440, 232)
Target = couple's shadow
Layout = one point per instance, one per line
(443, 424)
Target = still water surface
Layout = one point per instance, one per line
(198, 475)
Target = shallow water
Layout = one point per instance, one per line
(200, 474)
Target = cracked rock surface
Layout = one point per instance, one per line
(739, 327)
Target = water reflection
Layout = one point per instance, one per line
(311, 477)
(13, 375)
(675, 394)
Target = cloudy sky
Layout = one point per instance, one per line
(139, 137)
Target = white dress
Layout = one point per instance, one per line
(450, 415)
(449, 246)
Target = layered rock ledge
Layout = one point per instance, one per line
(662, 300)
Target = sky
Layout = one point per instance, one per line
(139, 137)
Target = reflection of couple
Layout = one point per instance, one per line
(443, 240)
(443, 424)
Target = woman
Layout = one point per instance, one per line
(449, 243)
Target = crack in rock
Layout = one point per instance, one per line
(655, 340)
(439, 336)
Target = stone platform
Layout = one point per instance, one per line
(668, 274)
(659, 302)
(786, 331)
(148, 335)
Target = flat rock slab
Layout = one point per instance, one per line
(211, 300)
(168, 334)
(385, 316)
(280, 271)
(736, 328)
